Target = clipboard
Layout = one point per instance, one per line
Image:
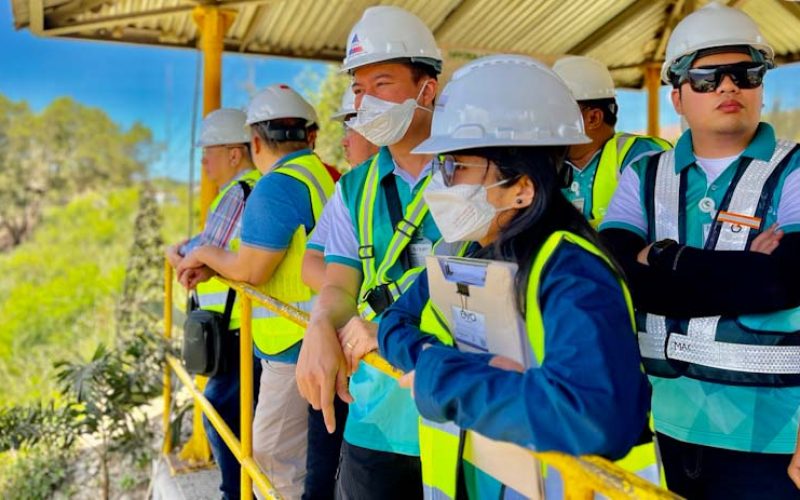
(477, 300)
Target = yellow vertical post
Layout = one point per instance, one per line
(212, 23)
(652, 82)
(246, 392)
(167, 397)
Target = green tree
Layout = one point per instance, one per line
(67, 150)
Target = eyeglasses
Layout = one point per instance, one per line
(448, 166)
(705, 79)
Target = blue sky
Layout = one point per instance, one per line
(155, 85)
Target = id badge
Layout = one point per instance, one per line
(418, 249)
(469, 329)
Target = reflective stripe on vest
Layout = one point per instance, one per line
(608, 170)
(272, 333)
(212, 294)
(702, 347)
(404, 232)
(439, 443)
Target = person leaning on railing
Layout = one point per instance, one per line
(281, 211)
(226, 162)
(324, 447)
(586, 392)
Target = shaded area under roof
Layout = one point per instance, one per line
(625, 34)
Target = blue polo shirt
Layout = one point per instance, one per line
(756, 419)
(278, 205)
(383, 416)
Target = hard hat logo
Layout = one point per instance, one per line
(355, 46)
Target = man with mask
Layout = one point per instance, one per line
(708, 236)
(593, 168)
(380, 232)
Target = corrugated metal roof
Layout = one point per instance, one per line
(624, 34)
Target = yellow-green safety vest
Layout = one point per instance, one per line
(608, 169)
(404, 232)
(212, 294)
(272, 333)
(439, 443)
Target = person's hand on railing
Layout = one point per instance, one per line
(322, 370)
(358, 337)
(191, 277)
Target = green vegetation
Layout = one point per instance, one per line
(81, 241)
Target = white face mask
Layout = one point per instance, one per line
(461, 212)
(384, 123)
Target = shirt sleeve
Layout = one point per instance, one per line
(590, 381)
(277, 206)
(400, 339)
(223, 223)
(641, 148)
(341, 246)
(789, 204)
(625, 210)
(317, 239)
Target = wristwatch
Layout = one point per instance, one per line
(659, 251)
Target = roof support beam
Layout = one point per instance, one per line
(113, 21)
(611, 27)
(680, 9)
(36, 16)
(74, 8)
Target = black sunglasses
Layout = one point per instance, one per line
(745, 75)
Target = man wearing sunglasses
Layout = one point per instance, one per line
(593, 169)
(709, 237)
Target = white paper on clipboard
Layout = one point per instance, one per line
(478, 299)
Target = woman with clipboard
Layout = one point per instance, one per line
(501, 129)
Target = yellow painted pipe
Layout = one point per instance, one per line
(167, 395)
(212, 23)
(652, 82)
(246, 391)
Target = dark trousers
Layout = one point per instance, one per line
(323, 452)
(222, 391)
(368, 474)
(702, 472)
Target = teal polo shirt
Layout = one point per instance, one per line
(754, 419)
(579, 190)
(383, 416)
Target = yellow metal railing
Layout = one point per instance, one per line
(582, 476)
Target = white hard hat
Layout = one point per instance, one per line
(504, 100)
(713, 26)
(221, 127)
(279, 101)
(348, 106)
(384, 33)
(587, 78)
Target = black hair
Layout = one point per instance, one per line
(284, 135)
(521, 238)
(608, 106)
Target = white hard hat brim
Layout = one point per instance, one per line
(441, 145)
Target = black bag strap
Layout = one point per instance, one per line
(246, 189)
(395, 212)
